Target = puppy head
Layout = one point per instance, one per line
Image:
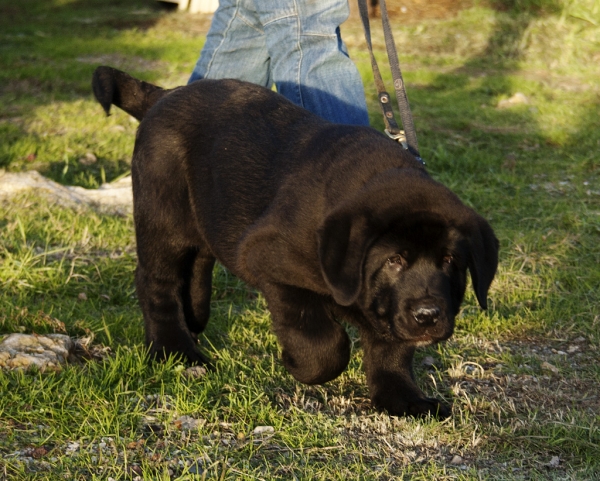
(414, 279)
(400, 250)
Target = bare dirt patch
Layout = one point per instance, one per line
(189, 24)
(411, 11)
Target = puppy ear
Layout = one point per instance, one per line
(483, 260)
(343, 243)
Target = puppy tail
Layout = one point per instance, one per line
(111, 86)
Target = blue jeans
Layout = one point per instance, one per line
(294, 44)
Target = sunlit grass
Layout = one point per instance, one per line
(522, 376)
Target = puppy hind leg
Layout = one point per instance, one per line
(197, 291)
(315, 347)
(164, 321)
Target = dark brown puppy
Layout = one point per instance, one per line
(331, 222)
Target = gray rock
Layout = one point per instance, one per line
(195, 372)
(554, 462)
(26, 351)
(115, 197)
(428, 361)
(188, 423)
(261, 430)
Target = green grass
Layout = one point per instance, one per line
(533, 170)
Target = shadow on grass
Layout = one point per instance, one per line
(51, 43)
(539, 187)
(50, 50)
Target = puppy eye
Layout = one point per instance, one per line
(397, 262)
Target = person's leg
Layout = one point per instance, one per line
(309, 62)
(235, 46)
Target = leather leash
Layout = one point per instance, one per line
(408, 136)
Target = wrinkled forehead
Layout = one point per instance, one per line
(421, 236)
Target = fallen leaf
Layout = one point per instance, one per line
(39, 452)
(516, 99)
(546, 366)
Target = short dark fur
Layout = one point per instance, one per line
(331, 222)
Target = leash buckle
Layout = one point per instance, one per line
(399, 137)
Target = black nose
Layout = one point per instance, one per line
(426, 315)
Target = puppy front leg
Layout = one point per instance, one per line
(315, 347)
(388, 365)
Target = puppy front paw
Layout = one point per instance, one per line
(423, 407)
(189, 355)
(416, 407)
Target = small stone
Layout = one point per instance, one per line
(456, 459)
(554, 462)
(82, 296)
(88, 159)
(572, 349)
(196, 468)
(260, 430)
(187, 423)
(546, 366)
(579, 339)
(195, 372)
(241, 437)
(428, 361)
(71, 448)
